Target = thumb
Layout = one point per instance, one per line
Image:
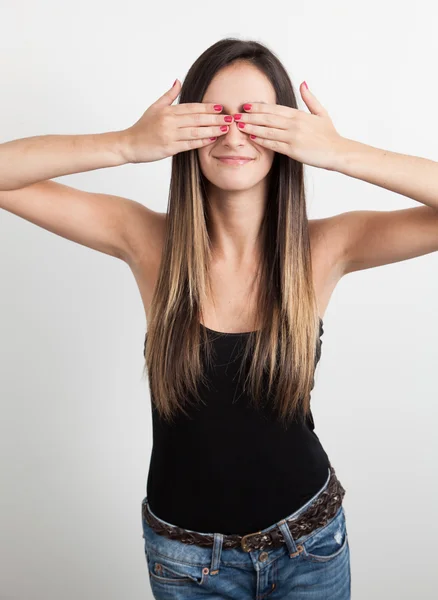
(167, 98)
(315, 107)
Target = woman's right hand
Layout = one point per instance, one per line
(165, 130)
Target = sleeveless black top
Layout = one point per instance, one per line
(229, 468)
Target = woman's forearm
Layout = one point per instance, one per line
(412, 176)
(28, 160)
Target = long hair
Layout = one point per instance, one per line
(284, 348)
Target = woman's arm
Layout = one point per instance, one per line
(111, 224)
(30, 160)
(411, 176)
(372, 238)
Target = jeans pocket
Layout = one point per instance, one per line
(165, 570)
(328, 542)
(168, 565)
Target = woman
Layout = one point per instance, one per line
(242, 501)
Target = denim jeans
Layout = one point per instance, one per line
(321, 570)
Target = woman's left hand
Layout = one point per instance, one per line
(308, 138)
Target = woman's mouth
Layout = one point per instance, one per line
(234, 161)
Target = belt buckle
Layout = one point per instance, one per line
(243, 542)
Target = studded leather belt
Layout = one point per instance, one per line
(316, 515)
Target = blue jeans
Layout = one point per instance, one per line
(321, 570)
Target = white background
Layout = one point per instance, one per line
(75, 428)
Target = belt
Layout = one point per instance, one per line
(316, 515)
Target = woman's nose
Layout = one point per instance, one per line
(234, 130)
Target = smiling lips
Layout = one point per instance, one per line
(234, 160)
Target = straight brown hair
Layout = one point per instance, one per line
(284, 348)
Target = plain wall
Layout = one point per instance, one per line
(75, 427)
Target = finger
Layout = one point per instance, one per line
(312, 103)
(275, 109)
(267, 119)
(203, 119)
(167, 98)
(275, 145)
(184, 145)
(196, 107)
(269, 133)
(196, 133)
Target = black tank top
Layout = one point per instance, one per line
(230, 468)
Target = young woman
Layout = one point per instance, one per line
(242, 500)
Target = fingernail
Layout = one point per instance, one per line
(175, 82)
(307, 87)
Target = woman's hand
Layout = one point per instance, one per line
(165, 130)
(308, 138)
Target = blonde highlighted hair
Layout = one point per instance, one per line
(283, 349)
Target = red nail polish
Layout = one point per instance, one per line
(247, 106)
(307, 87)
(241, 125)
(217, 107)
